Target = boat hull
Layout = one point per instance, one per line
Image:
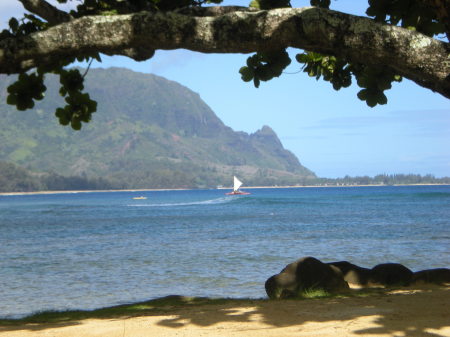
(238, 193)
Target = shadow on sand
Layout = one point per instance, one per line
(407, 312)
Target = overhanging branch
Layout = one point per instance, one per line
(46, 11)
(413, 55)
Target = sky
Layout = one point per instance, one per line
(332, 133)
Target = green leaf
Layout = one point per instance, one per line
(371, 101)
(321, 3)
(75, 124)
(62, 116)
(270, 4)
(247, 74)
(256, 82)
(362, 94)
(71, 81)
(13, 24)
(254, 4)
(382, 99)
(97, 57)
(302, 58)
(12, 99)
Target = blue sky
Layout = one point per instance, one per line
(332, 132)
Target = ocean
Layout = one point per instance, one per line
(97, 249)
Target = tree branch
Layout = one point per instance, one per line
(422, 59)
(46, 11)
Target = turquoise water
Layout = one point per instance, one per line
(89, 250)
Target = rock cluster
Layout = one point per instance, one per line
(308, 273)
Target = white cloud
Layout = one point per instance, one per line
(168, 59)
(410, 123)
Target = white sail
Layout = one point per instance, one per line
(236, 184)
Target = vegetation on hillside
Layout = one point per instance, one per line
(17, 179)
(149, 133)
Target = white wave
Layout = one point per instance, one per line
(192, 203)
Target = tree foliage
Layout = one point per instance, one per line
(383, 179)
(428, 17)
(14, 178)
(374, 81)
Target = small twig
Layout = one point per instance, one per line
(89, 66)
(293, 72)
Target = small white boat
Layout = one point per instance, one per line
(140, 198)
(236, 184)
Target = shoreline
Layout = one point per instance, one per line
(190, 189)
(417, 311)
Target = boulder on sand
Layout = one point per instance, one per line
(435, 276)
(355, 276)
(305, 274)
(390, 274)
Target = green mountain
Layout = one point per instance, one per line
(148, 132)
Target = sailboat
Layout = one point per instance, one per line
(236, 184)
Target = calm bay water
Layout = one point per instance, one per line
(89, 250)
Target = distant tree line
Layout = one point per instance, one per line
(14, 178)
(382, 179)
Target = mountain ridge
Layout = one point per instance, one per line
(148, 132)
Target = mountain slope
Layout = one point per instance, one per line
(148, 132)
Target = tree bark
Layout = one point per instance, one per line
(422, 59)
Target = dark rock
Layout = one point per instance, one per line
(435, 276)
(390, 274)
(305, 274)
(354, 275)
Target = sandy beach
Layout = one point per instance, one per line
(410, 312)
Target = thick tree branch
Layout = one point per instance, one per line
(413, 55)
(46, 11)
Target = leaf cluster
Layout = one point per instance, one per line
(321, 3)
(332, 69)
(412, 14)
(30, 87)
(264, 66)
(25, 90)
(338, 71)
(373, 80)
(79, 107)
(111, 7)
(270, 4)
(27, 25)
